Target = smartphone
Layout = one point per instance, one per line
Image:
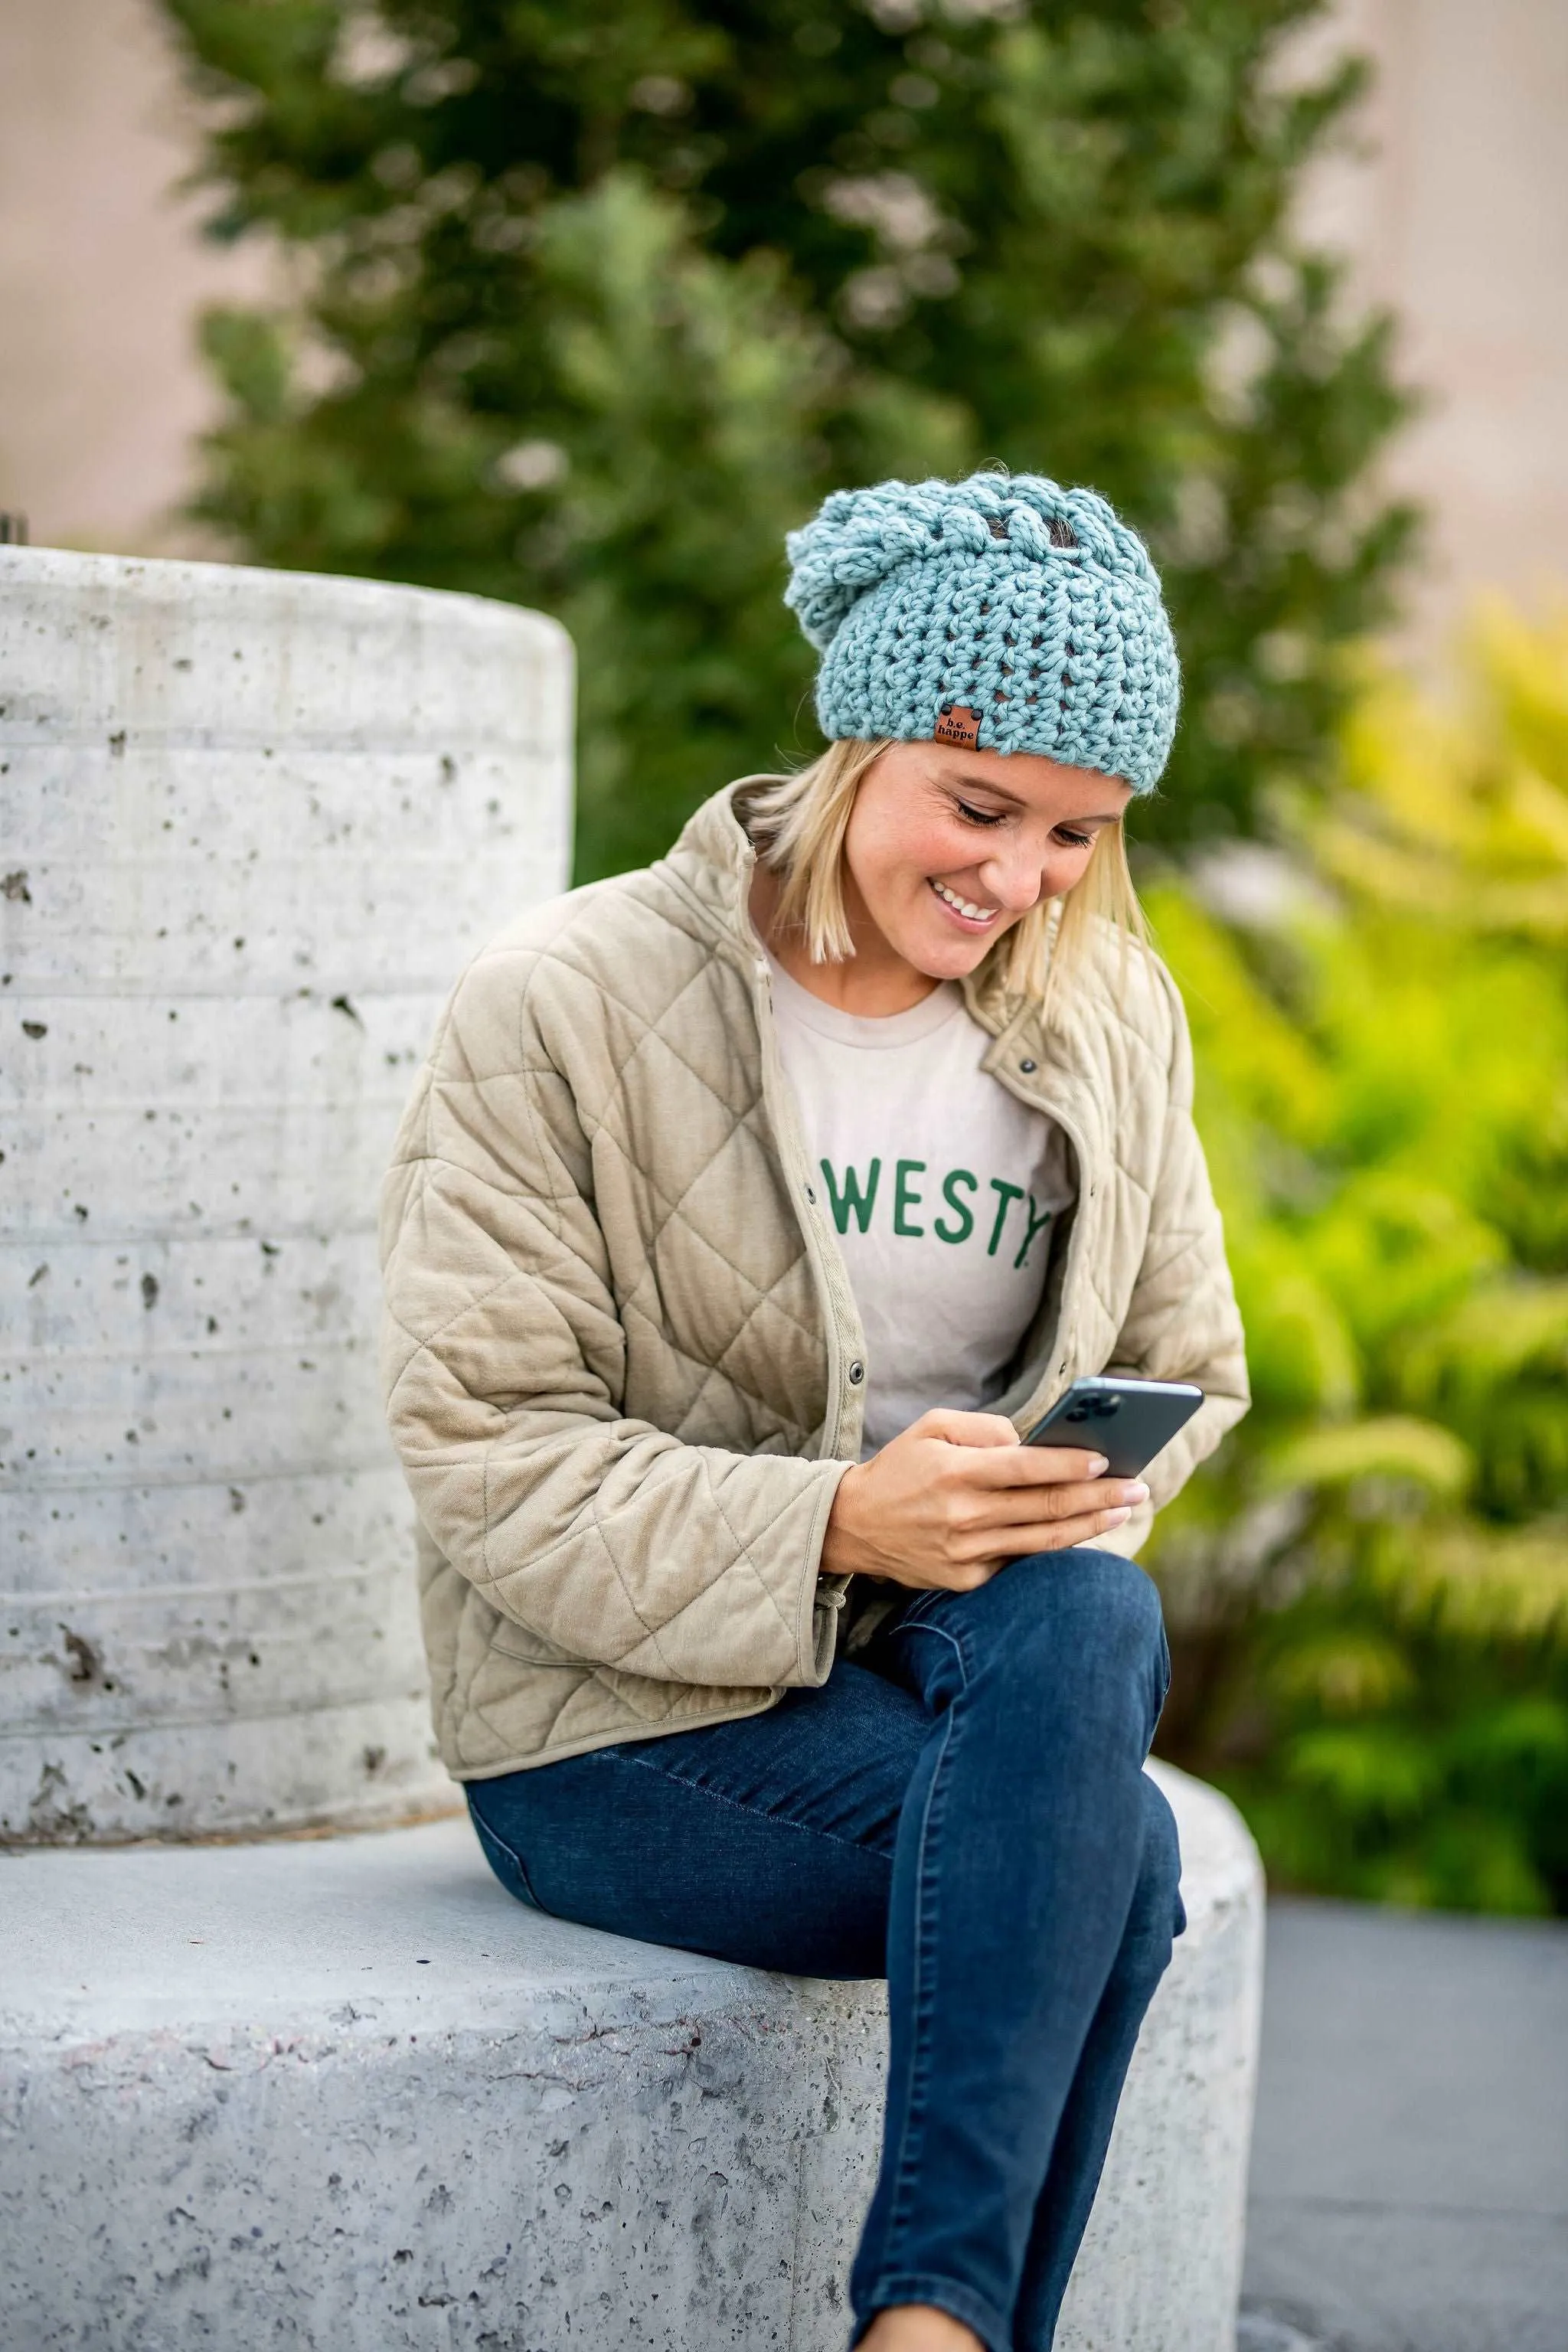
(1127, 1420)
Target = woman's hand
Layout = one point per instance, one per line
(943, 1507)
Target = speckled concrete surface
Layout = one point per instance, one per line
(253, 824)
(346, 2094)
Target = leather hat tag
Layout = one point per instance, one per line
(957, 723)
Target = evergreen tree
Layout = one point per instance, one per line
(597, 296)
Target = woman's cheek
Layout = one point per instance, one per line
(954, 853)
(1060, 877)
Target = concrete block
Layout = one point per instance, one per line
(347, 2095)
(253, 824)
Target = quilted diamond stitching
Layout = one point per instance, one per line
(676, 1220)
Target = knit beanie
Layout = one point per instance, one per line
(1002, 612)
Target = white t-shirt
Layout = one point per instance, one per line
(943, 1189)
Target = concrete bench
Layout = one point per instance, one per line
(345, 2094)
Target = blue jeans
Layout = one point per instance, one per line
(963, 1808)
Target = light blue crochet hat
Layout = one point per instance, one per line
(1003, 612)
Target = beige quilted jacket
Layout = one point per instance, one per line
(623, 1365)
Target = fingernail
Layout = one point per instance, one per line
(1137, 1492)
(1114, 1518)
(1097, 1464)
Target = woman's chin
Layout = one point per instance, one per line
(951, 957)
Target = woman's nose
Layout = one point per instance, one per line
(1015, 883)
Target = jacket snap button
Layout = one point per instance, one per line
(856, 1373)
(1028, 1068)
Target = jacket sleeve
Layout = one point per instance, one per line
(599, 1536)
(1182, 1321)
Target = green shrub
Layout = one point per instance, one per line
(1369, 1589)
(594, 297)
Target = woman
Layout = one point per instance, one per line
(749, 1209)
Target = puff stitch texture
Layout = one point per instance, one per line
(1005, 596)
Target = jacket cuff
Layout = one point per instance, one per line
(822, 1598)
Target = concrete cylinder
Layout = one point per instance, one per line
(250, 826)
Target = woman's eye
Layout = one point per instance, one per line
(978, 815)
(1074, 840)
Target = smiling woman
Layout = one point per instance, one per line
(749, 1209)
(900, 821)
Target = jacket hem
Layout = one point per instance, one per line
(465, 1773)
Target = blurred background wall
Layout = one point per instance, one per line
(1454, 211)
(102, 271)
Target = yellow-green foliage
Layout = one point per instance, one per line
(1369, 1589)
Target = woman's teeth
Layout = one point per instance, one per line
(974, 914)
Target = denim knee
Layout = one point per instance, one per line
(1079, 1630)
(1125, 1597)
(1104, 1606)
(1157, 1902)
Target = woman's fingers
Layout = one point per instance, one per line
(1046, 1534)
(972, 1428)
(994, 1551)
(1053, 1534)
(1027, 1466)
(1014, 1506)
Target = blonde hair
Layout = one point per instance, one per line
(800, 823)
